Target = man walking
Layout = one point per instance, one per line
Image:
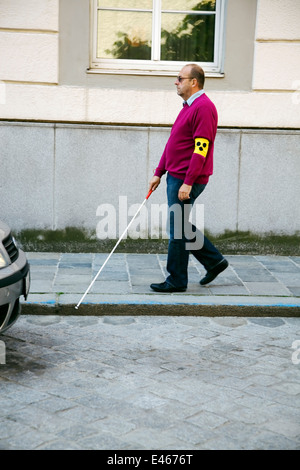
(188, 161)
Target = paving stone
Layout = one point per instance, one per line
(267, 288)
(60, 281)
(172, 382)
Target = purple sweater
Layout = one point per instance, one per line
(196, 121)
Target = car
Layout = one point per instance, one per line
(14, 278)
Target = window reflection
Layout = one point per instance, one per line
(187, 37)
(186, 33)
(139, 4)
(124, 35)
(187, 5)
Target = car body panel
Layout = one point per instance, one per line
(14, 278)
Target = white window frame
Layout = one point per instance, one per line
(156, 66)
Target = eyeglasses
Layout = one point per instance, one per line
(179, 78)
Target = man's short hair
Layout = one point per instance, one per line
(197, 72)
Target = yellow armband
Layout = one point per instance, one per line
(201, 146)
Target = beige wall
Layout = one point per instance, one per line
(277, 47)
(44, 78)
(44, 57)
(29, 41)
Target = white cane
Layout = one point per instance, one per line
(91, 284)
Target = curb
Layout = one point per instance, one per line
(125, 309)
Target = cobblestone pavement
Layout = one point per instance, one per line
(150, 382)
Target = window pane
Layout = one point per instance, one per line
(124, 35)
(187, 37)
(140, 4)
(187, 5)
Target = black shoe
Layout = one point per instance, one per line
(166, 287)
(213, 273)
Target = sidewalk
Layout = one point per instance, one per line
(251, 285)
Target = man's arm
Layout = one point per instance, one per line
(184, 192)
(154, 182)
(197, 161)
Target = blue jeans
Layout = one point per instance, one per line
(181, 243)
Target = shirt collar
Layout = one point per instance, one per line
(193, 97)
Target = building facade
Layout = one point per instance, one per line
(87, 100)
